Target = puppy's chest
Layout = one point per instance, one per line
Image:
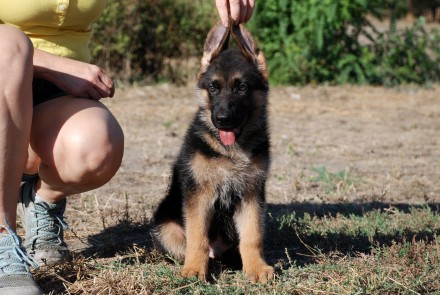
(227, 177)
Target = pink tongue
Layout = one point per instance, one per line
(227, 137)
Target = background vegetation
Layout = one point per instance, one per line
(305, 41)
(338, 42)
(149, 41)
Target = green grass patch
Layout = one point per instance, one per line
(338, 183)
(392, 250)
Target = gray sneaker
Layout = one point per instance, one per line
(44, 227)
(15, 276)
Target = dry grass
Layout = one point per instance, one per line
(353, 197)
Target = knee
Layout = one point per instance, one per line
(79, 142)
(105, 158)
(15, 46)
(98, 152)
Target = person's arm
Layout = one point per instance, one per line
(240, 10)
(76, 78)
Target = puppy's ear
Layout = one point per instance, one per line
(249, 48)
(216, 41)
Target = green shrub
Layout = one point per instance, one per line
(138, 40)
(311, 41)
(305, 41)
(314, 41)
(412, 55)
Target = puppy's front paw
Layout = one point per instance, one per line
(189, 271)
(259, 273)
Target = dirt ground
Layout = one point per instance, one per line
(386, 143)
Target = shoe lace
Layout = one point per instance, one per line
(13, 260)
(49, 225)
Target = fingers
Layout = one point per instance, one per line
(103, 87)
(93, 93)
(222, 7)
(249, 10)
(240, 10)
(236, 6)
(108, 83)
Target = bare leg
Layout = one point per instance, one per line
(80, 145)
(16, 72)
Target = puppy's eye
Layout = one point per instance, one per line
(213, 87)
(242, 87)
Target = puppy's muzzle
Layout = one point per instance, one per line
(224, 119)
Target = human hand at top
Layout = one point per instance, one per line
(240, 10)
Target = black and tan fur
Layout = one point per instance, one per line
(216, 199)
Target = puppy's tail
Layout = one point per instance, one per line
(171, 237)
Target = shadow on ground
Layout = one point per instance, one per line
(298, 243)
(118, 239)
(282, 242)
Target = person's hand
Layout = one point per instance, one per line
(240, 10)
(76, 78)
(85, 80)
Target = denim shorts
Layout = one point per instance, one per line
(44, 90)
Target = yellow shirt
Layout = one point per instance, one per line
(61, 27)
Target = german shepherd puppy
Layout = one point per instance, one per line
(216, 199)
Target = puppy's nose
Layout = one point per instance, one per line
(224, 119)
